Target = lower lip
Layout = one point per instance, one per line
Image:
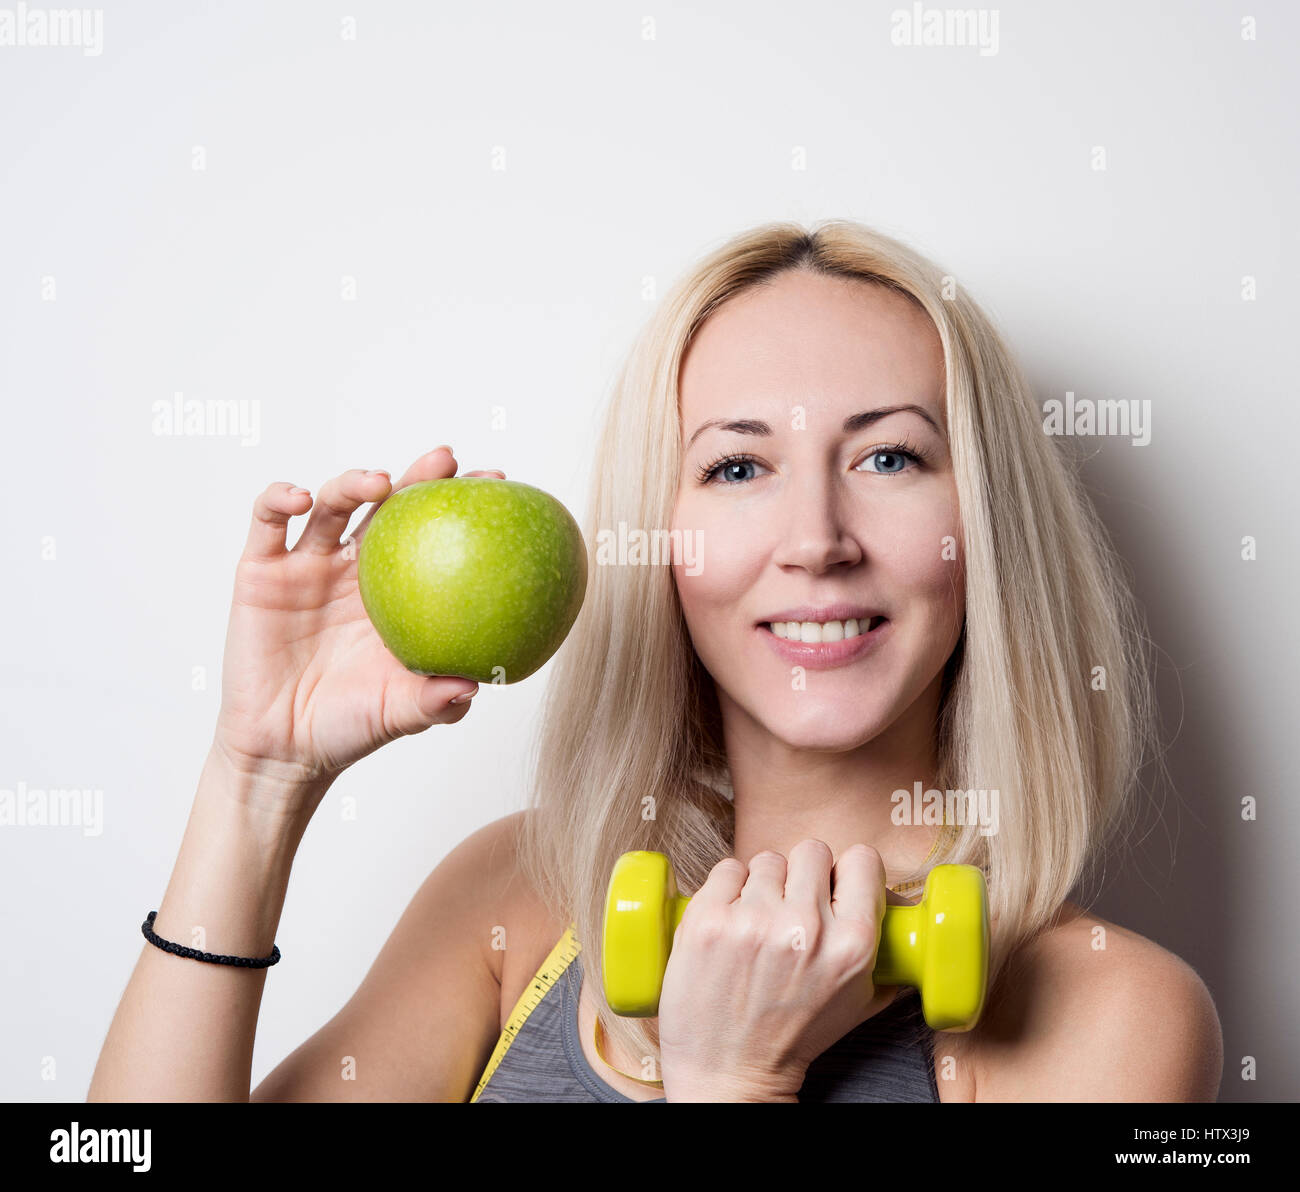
(825, 655)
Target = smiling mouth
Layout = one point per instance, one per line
(814, 632)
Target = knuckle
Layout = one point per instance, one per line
(333, 499)
(708, 928)
(853, 943)
(864, 857)
(813, 849)
(747, 928)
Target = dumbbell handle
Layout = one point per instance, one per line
(939, 945)
(898, 956)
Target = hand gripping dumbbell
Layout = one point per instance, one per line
(940, 945)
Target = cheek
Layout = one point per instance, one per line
(929, 572)
(722, 558)
(925, 558)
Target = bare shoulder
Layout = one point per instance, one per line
(499, 900)
(483, 867)
(1095, 1012)
(516, 929)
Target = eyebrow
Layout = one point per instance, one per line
(751, 426)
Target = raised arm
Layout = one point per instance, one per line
(307, 689)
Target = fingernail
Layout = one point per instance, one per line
(464, 697)
(296, 491)
(445, 447)
(377, 472)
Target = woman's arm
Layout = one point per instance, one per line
(307, 689)
(184, 1028)
(1129, 1021)
(420, 1027)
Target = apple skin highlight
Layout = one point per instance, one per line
(472, 577)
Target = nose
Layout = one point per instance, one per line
(814, 532)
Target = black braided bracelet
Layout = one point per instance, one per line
(210, 957)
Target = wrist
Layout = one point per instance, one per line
(273, 799)
(232, 872)
(737, 1090)
(727, 1096)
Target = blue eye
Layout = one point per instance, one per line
(708, 471)
(897, 453)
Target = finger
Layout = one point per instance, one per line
(487, 472)
(271, 513)
(437, 464)
(858, 885)
(423, 700)
(724, 883)
(339, 499)
(808, 875)
(766, 880)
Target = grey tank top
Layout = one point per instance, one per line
(889, 1057)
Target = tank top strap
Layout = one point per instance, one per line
(552, 969)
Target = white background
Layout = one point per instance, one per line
(626, 157)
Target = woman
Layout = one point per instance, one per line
(897, 586)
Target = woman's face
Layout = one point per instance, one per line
(817, 515)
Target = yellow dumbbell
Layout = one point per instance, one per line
(940, 945)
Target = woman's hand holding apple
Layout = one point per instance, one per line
(308, 688)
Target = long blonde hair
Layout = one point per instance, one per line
(630, 720)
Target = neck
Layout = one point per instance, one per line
(783, 794)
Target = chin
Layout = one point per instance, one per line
(824, 732)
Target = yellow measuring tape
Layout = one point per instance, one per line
(561, 956)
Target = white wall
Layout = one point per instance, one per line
(626, 157)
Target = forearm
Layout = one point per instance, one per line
(184, 1029)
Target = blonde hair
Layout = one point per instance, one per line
(631, 720)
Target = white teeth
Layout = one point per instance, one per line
(817, 631)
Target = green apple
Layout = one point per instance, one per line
(472, 576)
